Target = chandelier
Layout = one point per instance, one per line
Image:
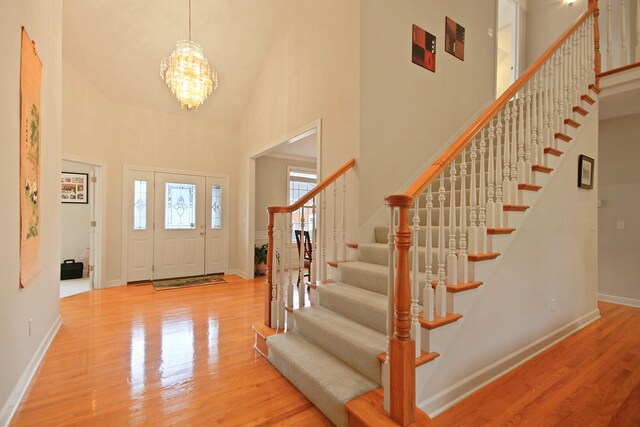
(188, 73)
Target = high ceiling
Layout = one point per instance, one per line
(117, 45)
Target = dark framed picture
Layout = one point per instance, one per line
(423, 49)
(585, 172)
(454, 38)
(74, 187)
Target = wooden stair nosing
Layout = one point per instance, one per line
(515, 208)
(594, 88)
(335, 263)
(589, 100)
(580, 110)
(424, 357)
(367, 410)
(529, 187)
(553, 151)
(352, 245)
(572, 123)
(263, 332)
(438, 321)
(540, 168)
(562, 136)
(483, 257)
(501, 230)
(460, 287)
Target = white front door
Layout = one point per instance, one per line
(180, 229)
(139, 222)
(217, 254)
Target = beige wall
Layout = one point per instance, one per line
(311, 72)
(271, 185)
(546, 20)
(20, 350)
(117, 135)
(409, 114)
(619, 184)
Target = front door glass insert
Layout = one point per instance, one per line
(180, 206)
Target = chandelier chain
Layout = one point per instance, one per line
(189, 19)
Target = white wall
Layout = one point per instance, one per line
(74, 220)
(619, 184)
(271, 185)
(410, 115)
(546, 20)
(19, 351)
(97, 129)
(543, 286)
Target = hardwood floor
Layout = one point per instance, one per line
(133, 356)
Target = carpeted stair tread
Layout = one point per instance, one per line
(378, 253)
(364, 275)
(355, 344)
(360, 305)
(325, 380)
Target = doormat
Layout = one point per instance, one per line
(163, 285)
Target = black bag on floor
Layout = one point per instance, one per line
(70, 269)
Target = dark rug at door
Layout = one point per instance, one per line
(163, 285)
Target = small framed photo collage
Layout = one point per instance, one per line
(74, 187)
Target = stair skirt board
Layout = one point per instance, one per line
(449, 397)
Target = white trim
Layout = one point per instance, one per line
(12, 403)
(113, 283)
(129, 167)
(261, 236)
(291, 157)
(238, 272)
(619, 300)
(450, 396)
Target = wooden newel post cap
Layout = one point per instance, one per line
(398, 200)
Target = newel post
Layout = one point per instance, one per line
(593, 5)
(401, 346)
(269, 287)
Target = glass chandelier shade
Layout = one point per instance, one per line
(188, 74)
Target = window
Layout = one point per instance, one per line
(216, 207)
(180, 207)
(140, 205)
(301, 181)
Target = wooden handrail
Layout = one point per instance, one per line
(439, 165)
(619, 69)
(272, 210)
(313, 193)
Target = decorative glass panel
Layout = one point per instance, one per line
(180, 207)
(216, 207)
(140, 205)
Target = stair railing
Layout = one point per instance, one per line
(621, 44)
(500, 149)
(279, 292)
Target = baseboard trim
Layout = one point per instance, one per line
(450, 396)
(240, 273)
(619, 300)
(11, 405)
(112, 283)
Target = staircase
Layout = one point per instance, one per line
(382, 321)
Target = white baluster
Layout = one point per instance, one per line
(313, 276)
(344, 216)
(498, 222)
(323, 232)
(301, 283)
(473, 228)
(576, 72)
(506, 181)
(623, 34)
(482, 200)
(441, 290)
(513, 186)
(527, 138)
(274, 275)
(566, 83)
(538, 117)
(521, 138)
(463, 259)
(583, 59)
(491, 205)
(416, 329)
(609, 38)
(534, 156)
(547, 105)
(428, 292)
(282, 285)
(557, 95)
(452, 259)
(335, 220)
(289, 298)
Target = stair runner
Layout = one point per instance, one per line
(331, 355)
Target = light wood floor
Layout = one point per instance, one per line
(132, 356)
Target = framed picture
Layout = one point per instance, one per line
(585, 172)
(423, 52)
(73, 187)
(454, 38)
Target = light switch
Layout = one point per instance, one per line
(620, 225)
(490, 32)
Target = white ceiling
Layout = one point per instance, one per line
(118, 45)
(305, 147)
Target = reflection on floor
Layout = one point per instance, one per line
(74, 286)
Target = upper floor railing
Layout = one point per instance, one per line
(620, 33)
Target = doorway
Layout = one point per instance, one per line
(80, 225)
(176, 225)
(507, 45)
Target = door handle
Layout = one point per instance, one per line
(202, 233)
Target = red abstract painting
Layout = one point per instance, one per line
(454, 38)
(423, 52)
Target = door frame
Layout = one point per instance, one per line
(99, 209)
(251, 223)
(126, 168)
